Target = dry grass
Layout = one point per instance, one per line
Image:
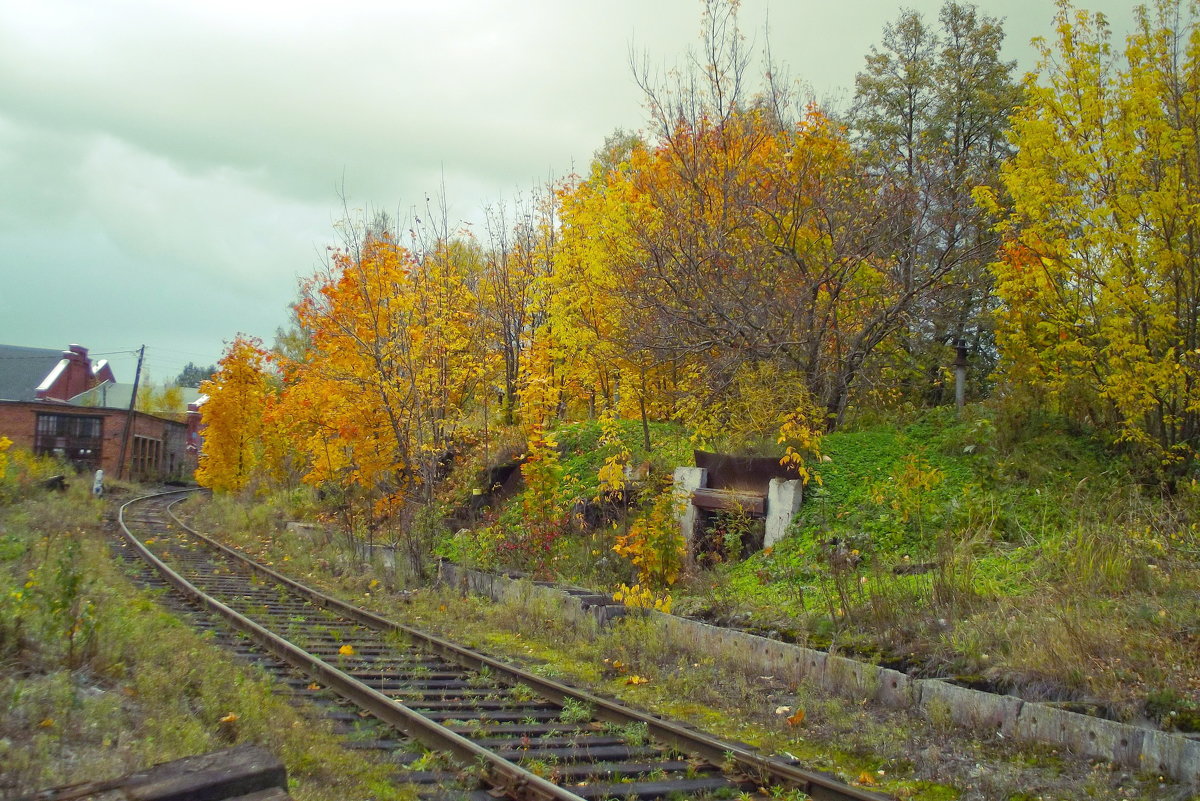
(96, 681)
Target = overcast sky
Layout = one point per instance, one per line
(169, 168)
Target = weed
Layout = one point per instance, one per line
(481, 677)
(632, 734)
(574, 712)
(522, 693)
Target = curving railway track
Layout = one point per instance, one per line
(528, 736)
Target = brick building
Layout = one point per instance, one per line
(36, 413)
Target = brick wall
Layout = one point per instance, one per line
(156, 449)
(17, 422)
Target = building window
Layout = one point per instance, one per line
(146, 460)
(76, 438)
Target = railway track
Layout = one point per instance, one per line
(528, 736)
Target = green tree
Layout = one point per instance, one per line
(931, 110)
(165, 400)
(193, 374)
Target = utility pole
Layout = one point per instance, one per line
(137, 376)
(960, 374)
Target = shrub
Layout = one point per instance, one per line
(655, 544)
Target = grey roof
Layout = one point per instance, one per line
(22, 370)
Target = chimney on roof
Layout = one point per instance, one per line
(71, 376)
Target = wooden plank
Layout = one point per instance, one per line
(273, 794)
(729, 500)
(234, 772)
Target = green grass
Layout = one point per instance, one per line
(947, 544)
(1017, 491)
(1025, 556)
(1042, 564)
(583, 454)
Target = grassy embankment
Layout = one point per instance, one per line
(97, 681)
(1021, 557)
(1007, 552)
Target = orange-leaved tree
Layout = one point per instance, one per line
(393, 360)
(591, 321)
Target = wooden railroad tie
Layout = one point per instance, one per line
(243, 773)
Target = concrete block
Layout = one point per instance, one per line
(973, 708)
(740, 640)
(607, 614)
(1046, 724)
(811, 665)
(384, 554)
(896, 689)
(687, 479)
(783, 501)
(772, 657)
(1095, 737)
(850, 676)
(473, 581)
(1127, 750)
(1168, 754)
(1189, 763)
(1162, 753)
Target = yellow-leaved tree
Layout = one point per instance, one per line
(232, 416)
(1100, 277)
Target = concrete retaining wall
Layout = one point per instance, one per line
(1163, 753)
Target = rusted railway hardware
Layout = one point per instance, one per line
(532, 737)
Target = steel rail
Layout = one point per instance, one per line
(509, 777)
(819, 786)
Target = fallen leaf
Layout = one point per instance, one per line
(797, 718)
